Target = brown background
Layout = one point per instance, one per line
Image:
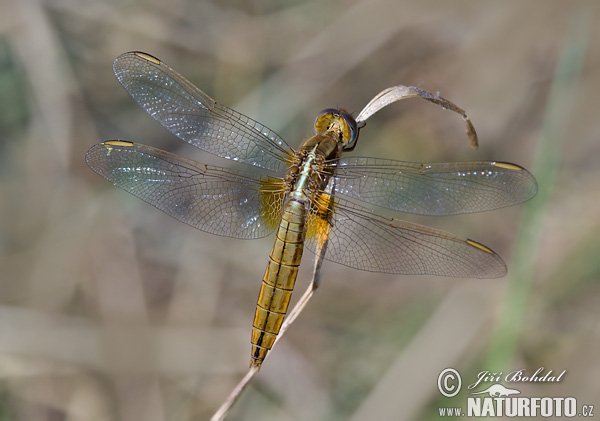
(110, 310)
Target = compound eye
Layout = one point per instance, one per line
(325, 119)
(352, 135)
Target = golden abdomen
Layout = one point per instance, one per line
(278, 282)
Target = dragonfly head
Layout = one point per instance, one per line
(341, 123)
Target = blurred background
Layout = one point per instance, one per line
(111, 310)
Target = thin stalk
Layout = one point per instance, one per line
(292, 315)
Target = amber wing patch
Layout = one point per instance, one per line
(272, 192)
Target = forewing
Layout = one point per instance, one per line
(212, 199)
(362, 240)
(194, 117)
(433, 189)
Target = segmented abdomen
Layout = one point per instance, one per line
(278, 282)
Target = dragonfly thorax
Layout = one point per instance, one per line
(308, 172)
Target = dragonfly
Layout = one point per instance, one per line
(311, 196)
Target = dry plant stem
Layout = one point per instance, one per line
(234, 395)
(397, 93)
(237, 390)
(293, 314)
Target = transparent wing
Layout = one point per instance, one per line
(433, 189)
(363, 240)
(194, 117)
(213, 199)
